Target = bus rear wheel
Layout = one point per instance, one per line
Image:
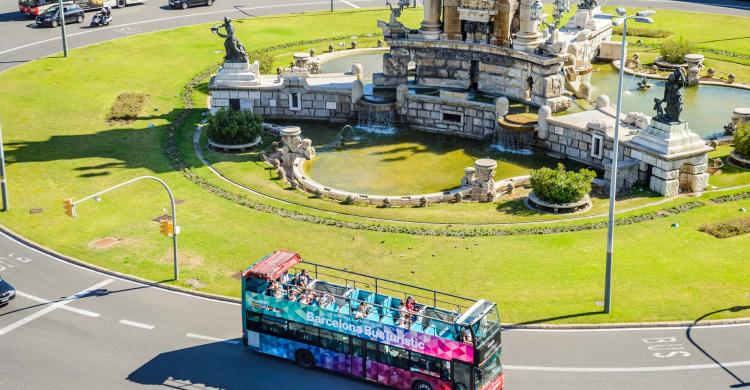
(121, 3)
(304, 358)
(421, 385)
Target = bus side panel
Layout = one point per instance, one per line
(324, 358)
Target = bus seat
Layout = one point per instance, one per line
(382, 301)
(345, 309)
(365, 296)
(395, 303)
(387, 319)
(417, 327)
(374, 316)
(431, 330)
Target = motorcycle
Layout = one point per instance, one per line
(102, 18)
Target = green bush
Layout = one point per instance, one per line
(232, 127)
(264, 59)
(674, 51)
(742, 140)
(561, 186)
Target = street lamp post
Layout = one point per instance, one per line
(171, 201)
(3, 180)
(61, 11)
(621, 18)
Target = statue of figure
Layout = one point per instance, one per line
(395, 13)
(673, 97)
(587, 4)
(657, 107)
(235, 51)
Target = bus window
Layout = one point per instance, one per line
(334, 341)
(395, 357)
(430, 365)
(253, 321)
(461, 376)
(274, 326)
(305, 333)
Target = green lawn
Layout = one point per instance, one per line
(661, 273)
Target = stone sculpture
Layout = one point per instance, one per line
(672, 97)
(235, 51)
(480, 179)
(588, 4)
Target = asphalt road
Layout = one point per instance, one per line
(72, 328)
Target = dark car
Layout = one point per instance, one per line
(184, 4)
(51, 17)
(7, 292)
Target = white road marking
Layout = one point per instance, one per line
(170, 18)
(137, 324)
(627, 369)
(209, 338)
(52, 307)
(631, 329)
(350, 4)
(68, 308)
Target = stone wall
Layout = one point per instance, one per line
(276, 103)
(450, 116)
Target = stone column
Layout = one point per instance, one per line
(451, 21)
(528, 37)
(431, 26)
(695, 63)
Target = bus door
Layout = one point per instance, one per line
(364, 359)
(462, 379)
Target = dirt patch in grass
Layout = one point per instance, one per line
(731, 228)
(185, 259)
(103, 243)
(127, 107)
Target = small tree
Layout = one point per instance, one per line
(233, 127)
(674, 51)
(561, 186)
(742, 140)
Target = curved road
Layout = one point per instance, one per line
(72, 328)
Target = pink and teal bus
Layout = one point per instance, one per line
(395, 334)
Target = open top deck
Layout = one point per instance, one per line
(435, 313)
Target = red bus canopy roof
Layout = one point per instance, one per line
(274, 265)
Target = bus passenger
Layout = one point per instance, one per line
(362, 312)
(303, 279)
(284, 279)
(294, 294)
(325, 300)
(466, 336)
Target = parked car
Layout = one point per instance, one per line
(7, 292)
(51, 17)
(184, 4)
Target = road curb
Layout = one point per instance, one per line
(50, 252)
(624, 325)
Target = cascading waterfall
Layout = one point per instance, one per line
(510, 141)
(376, 117)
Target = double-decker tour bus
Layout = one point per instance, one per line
(379, 330)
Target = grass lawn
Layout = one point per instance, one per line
(661, 273)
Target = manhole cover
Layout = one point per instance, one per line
(163, 217)
(195, 283)
(105, 242)
(36, 210)
(179, 201)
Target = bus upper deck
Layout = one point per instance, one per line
(342, 291)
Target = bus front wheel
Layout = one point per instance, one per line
(304, 358)
(121, 3)
(421, 385)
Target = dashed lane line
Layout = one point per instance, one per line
(68, 308)
(209, 338)
(350, 4)
(53, 307)
(137, 324)
(628, 369)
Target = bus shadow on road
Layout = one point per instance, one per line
(221, 365)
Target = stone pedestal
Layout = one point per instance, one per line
(670, 138)
(293, 147)
(237, 74)
(529, 37)
(610, 51)
(695, 64)
(431, 27)
(480, 179)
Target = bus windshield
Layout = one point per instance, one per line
(487, 333)
(489, 370)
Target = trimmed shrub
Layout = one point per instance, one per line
(731, 228)
(674, 51)
(561, 186)
(742, 140)
(127, 107)
(264, 59)
(232, 127)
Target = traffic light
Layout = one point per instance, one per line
(166, 227)
(70, 208)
